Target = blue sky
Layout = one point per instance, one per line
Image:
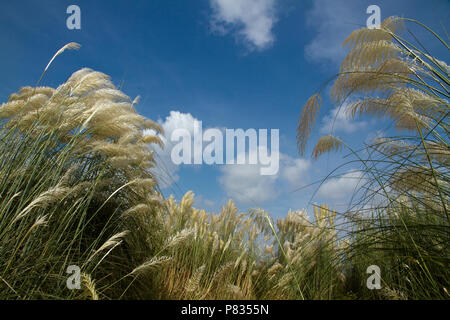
(228, 63)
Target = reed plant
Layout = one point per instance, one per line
(72, 160)
(399, 218)
(76, 189)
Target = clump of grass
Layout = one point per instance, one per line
(232, 255)
(305, 259)
(72, 160)
(400, 218)
(194, 254)
(76, 189)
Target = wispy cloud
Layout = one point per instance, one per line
(341, 187)
(251, 20)
(332, 21)
(294, 171)
(204, 203)
(339, 120)
(246, 185)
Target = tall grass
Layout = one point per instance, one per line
(232, 255)
(75, 189)
(72, 160)
(399, 219)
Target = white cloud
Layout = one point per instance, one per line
(246, 185)
(294, 171)
(341, 187)
(165, 170)
(338, 120)
(253, 20)
(243, 183)
(178, 120)
(333, 21)
(204, 203)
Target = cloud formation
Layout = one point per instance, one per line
(242, 182)
(165, 170)
(251, 20)
(247, 186)
(341, 187)
(294, 171)
(339, 120)
(332, 21)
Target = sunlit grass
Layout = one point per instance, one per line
(76, 189)
(399, 217)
